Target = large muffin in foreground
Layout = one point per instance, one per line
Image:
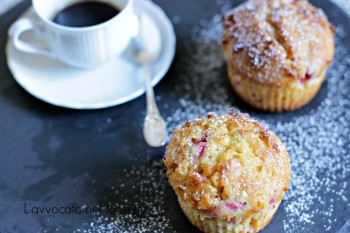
(277, 52)
(229, 172)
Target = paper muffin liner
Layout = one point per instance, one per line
(274, 98)
(250, 224)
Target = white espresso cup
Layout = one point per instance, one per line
(77, 46)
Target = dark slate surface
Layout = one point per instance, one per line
(50, 155)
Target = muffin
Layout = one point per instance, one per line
(277, 52)
(229, 172)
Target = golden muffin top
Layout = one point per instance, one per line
(275, 42)
(221, 165)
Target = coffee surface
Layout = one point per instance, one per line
(85, 14)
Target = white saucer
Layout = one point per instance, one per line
(114, 83)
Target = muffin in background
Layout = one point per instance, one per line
(229, 172)
(277, 52)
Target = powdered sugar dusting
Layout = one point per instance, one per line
(317, 140)
(144, 211)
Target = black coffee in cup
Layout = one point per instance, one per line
(85, 14)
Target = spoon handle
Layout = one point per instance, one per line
(154, 127)
(152, 108)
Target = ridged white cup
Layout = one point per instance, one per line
(77, 46)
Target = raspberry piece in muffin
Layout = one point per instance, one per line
(202, 144)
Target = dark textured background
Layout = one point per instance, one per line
(50, 155)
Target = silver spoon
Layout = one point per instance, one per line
(144, 51)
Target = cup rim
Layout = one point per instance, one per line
(87, 28)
